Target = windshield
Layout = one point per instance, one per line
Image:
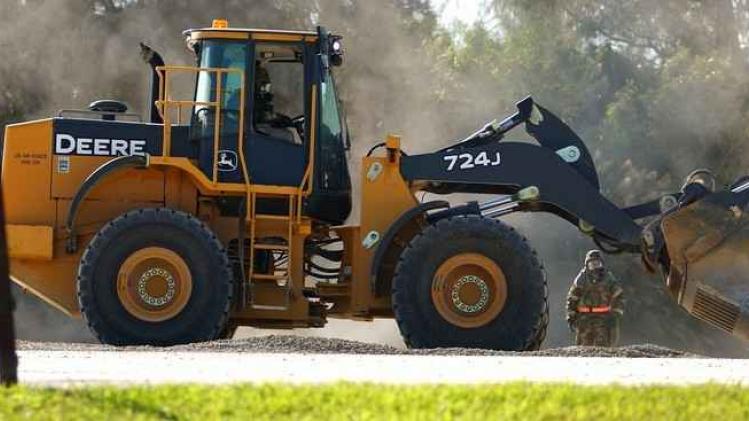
(225, 55)
(333, 123)
(331, 171)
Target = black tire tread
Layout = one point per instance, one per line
(108, 233)
(425, 240)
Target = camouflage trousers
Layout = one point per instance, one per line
(596, 331)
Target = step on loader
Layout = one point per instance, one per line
(226, 208)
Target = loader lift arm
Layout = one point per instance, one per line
(560, 166)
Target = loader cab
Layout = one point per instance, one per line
(277, 108)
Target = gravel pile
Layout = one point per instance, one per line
(315, 345)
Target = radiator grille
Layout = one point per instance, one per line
(715, 310)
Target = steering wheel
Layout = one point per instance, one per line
(284, 122)
(298, 123)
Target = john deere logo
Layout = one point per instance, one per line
(66, 144)
(227, 161)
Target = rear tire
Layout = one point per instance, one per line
(470, 282)
(155, 277)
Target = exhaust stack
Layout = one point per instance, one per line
(153, 59)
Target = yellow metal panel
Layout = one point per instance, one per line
(26, 172)
(205, 185)
(133, 184)
(30, 241)
(385, 196)
(256, 34)
(180, 193)
(93, 214)
(53, 281)
(219, 34)
(277, 37)
(393, 142)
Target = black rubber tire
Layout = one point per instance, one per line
(228, 332)
(204, 316)
(520, 326)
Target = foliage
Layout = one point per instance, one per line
(656, 88)
(355, 401)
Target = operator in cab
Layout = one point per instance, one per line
(266, 120)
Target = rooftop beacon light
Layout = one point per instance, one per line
(220, 24)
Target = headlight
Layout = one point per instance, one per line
(336, 51)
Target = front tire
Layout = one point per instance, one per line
(470, 282)
(155, 277)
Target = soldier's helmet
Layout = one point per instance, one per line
(594, 260)
(594, 255)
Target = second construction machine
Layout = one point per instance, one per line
(225, 209)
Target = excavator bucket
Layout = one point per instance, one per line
(708, 246)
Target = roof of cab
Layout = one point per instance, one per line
(221, 30)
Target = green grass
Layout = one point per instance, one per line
(349, 401)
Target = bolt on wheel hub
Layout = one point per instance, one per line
(154, 284)
(462, 288)
(154, 281)
(469, 290)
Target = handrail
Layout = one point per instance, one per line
(305, 188)
(164, 104)
(308, 179)
(136, 118)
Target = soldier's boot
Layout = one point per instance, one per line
(602, 337)
(579, 339)
(585, 336)
(613, 336)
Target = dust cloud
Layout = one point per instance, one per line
(65, 53)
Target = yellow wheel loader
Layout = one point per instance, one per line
(226, 208)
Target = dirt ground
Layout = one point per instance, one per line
(288, 344)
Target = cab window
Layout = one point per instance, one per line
(330, 117)
(223, 55)
(278, 109)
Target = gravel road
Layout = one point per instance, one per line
(317, 345)
(294, 359)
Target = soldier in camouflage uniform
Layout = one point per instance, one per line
(595, 304)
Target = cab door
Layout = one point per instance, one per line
(229, 90)
(330, 200)
(278, 126)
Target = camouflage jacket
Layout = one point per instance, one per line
(603, 298)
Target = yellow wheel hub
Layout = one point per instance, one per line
(469, 290)
(154, 284)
